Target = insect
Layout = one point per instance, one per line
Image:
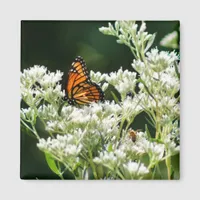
(133, 134)
(129, 94)
(79, 88)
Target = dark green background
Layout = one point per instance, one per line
(55, 44)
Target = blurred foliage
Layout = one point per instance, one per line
(55, 44)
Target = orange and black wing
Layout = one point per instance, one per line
(86, 93)
(79, 88)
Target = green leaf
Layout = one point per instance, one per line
(163, 170)
(100, 171)
(175, 162)
(115, 97)
(150, 42)
(110, 147)
(158, 175)
(52, 164)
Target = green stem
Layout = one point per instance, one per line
(154, 172)
(120, 174)
(143, 55)
(133, 51)
(158, 169)
(168, 164)
(61, 176)
(157, 121)
(136, 47)
(69, 168)
(59, 168)
(176, 69)
(27, 126)
(92, 164)
(120, 129)
(35, 131)
(128, 125)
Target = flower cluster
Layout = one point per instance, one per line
(37, 83)
(96, 141)
(139, 41)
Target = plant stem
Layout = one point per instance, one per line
(59, 168)
(132, 50)
(27, 126)
(61, 176)
(168, 164)
(157, 121)
(69, 168)
(120, 129)
(143, 54)
(92, 164)
(120, 175)
(129, 123)
(154, 172)
(35, 132)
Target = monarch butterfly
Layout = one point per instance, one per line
(79, 88)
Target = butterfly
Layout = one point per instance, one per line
(79, 88)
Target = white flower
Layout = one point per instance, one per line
(159, 61)
(172, 147)
(142, 27)
(97, 77)
(52, 125)
(108, 159)
(123, 81)
(120, 154)
(170, 82)
(48, 112)
(105, 86)
(131, 107)
(28, 114)
(112, 159)
(134, 170)
(30, 96)
(96, 119)
(37, 84)
(133, 150)
(111, 108)
(33, 74)
(154, 150)
(61, 147)
(106, 30)
(170, 40)
(138, 65)
(143, 145)
(72, 150)
(50, 79)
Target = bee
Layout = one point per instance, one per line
(133, 134)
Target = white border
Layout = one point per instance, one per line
(14, 11)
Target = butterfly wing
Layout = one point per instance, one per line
(80, 89)
(87, 93)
